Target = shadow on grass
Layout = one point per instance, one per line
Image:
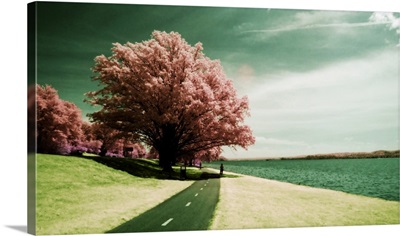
(230, 176)
(146, 168)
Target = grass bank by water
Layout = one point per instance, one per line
(371, 177)
(80, 195)
(93, 195)
(251, 202)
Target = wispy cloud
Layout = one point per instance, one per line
(353, 98)
(315, 26)
(325, 20)
(276, 141)
(355, 71)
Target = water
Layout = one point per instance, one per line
(373, 177)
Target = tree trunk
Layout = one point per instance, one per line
(167, 148)
(103, 150)
(167, 159)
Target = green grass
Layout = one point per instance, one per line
(249, 202)
(81, 195)
(78, 195)
(371, 177)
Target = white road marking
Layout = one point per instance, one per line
(196, 194)
(167, 222)
(201, 189)
(188, 204)
(205, 184)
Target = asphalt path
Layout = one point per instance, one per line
(188, 210)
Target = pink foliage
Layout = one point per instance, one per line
(112, 142)
(152, 154)
(138, 150)
(212, 154)
(93, 146)
(171, 96)
(89, 141)
(107, 138)
(58, 123)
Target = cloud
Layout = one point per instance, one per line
(331, 88)
(244, 77)
(388, 19)
(275, 141)
(332, 22)
(323, 110)
(314, 26)
(352, 74)
(308, 20)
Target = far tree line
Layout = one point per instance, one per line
(62, 130)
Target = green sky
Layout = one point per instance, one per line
(317, 81)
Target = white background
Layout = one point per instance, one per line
(13, 77)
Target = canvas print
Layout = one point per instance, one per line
(154, 118)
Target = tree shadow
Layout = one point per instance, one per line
(209, 175)
(137, 167)
(145, 168)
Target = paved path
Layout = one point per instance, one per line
(190, 209)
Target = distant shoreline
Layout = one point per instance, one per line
(342, 155)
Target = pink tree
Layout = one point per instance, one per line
(109, 139)
(212, 154)
(171, 96)
(116, 149)
(137, 150)
(58, 123)
(208, 155)
(140, 150)
(112, 141)
(91, 144)
(152, 154)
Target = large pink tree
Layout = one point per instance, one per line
(171, 95)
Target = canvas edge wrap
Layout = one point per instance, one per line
(31, 157)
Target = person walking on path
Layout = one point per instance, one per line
(221, 169)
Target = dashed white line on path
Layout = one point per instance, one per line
(201, 189)
(167, 222)
(196, 194)
(205, 184)
(188, 204)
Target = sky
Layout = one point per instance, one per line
(317, 81)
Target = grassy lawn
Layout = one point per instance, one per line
(92, 195)
(250, 202)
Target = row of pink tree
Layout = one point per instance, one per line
(163, 93)
(61, 129)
